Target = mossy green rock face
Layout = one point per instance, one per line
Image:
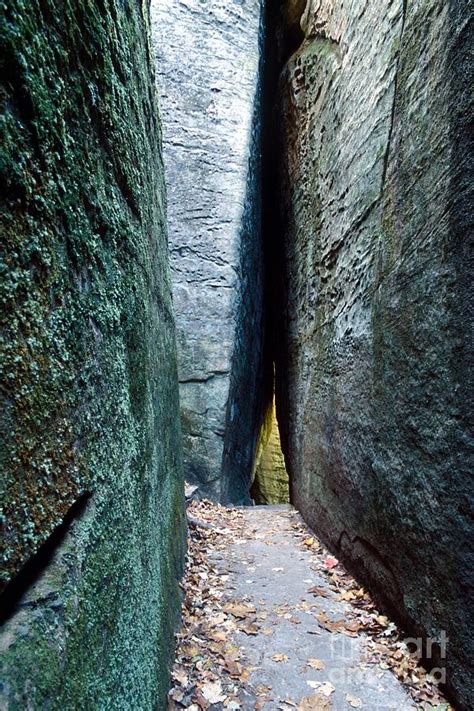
(90, 430)
(373, 368)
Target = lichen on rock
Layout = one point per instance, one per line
(91, 451)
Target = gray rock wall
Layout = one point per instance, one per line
(373, 376)
(90, 438)
(208, 58)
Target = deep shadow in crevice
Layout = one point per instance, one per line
(37, 564)
(282, 37)
(248, 367)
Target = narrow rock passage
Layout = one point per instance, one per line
(272, 621)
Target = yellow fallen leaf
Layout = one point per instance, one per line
(280, 657)
(309, 542)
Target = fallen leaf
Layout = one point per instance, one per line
(316, 664)
(320, 592)
(354, 701)
(327, 688)
(250, 629)
(315, 703)
(212, 692)
(347, 595)
(331, 562)
(309, 542)
(240, 611)
(280, 657)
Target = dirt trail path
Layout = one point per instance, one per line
(272, 621)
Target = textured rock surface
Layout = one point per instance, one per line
(208, 63)
(90, 425)
(376, 221)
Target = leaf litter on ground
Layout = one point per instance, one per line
(210, 671)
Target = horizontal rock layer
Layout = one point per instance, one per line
(91, 468)
(208, 59)
(373, 378)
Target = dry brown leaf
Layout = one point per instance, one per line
(354, 701)
(316, 664)
(250, 629)
(347, 595)
(241, 611)
(280, 657)
(317, 702)
(320, 592)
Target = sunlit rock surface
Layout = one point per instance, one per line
(91, 464)
(270, 478)
(374, 376)
(208, 59)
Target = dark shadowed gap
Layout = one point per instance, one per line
(283, 35)
(37, 564)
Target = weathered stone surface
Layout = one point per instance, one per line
(373, 377)
(90, 425)
(208, 57)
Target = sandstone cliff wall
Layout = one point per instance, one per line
(373, 377)
(91, 466)
(208, 58)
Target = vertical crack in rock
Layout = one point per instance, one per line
(395, 93)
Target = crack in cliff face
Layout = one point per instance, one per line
(395, 97)
(16, 591)
(283, 36)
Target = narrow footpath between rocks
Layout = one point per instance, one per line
(272, 621)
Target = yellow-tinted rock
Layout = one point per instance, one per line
(270, 478)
